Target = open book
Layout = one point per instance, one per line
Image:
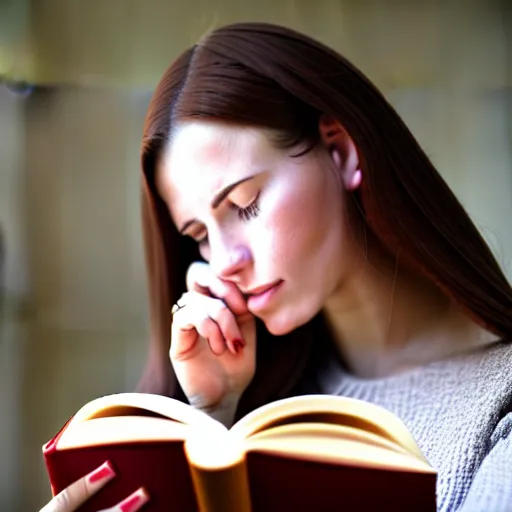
(314, 452)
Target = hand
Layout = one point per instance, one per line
(77, 493)
(213, 343)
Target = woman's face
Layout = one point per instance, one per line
(273, 224)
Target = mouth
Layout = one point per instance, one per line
(259, 298)
(262, 289)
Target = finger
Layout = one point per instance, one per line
(198, 275)
(132, 503)
(200, 278)
(225, 320)
(209, 330)
(80, 491)
(184, 335)
(231, 295)
(183, 341)
(218, 324)
(191, 320)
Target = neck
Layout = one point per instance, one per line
(386, 319)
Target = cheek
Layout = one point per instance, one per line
(301, 226)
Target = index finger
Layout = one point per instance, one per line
(201, 279)
(69, 499)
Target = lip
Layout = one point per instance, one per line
(262, 299)
(261, 289)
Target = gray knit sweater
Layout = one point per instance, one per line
(460, 412)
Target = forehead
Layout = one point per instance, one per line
(204, 157)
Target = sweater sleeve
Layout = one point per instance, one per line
(491, 489)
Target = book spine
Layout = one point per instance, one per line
(222, 490)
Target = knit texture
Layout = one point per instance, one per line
(459, 411)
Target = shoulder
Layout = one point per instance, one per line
(491, 488)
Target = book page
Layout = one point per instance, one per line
(335, 444)
(120, 430)
(111, 405)
(133, 417)
(324, 409)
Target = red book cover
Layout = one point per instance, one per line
(160, 467)
(280, 484)
(307, 453)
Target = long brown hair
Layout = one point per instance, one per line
(261, 75)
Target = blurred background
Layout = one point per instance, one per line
(75, 81)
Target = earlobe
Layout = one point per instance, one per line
(355, 180)
(342, 150)
(350, 173)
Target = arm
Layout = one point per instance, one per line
(491, 488)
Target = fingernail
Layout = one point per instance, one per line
(104, 472)
(134, 501)
(238, 345)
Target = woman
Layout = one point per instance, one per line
(336, 259)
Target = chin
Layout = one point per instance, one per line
(284, 322)
(278, 329)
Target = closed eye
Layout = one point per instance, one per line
(245, 213)
(250, 211)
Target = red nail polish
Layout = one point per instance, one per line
(132, 502)
(238, 344)
(102, 473)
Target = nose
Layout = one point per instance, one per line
(229, 263)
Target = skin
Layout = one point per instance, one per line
(79, 492)
(273, 244)
(303, 233)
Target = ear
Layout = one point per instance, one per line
(342, 150)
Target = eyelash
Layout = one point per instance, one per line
(249, 212)
(246, 214)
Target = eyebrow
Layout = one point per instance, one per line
(217, 200)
